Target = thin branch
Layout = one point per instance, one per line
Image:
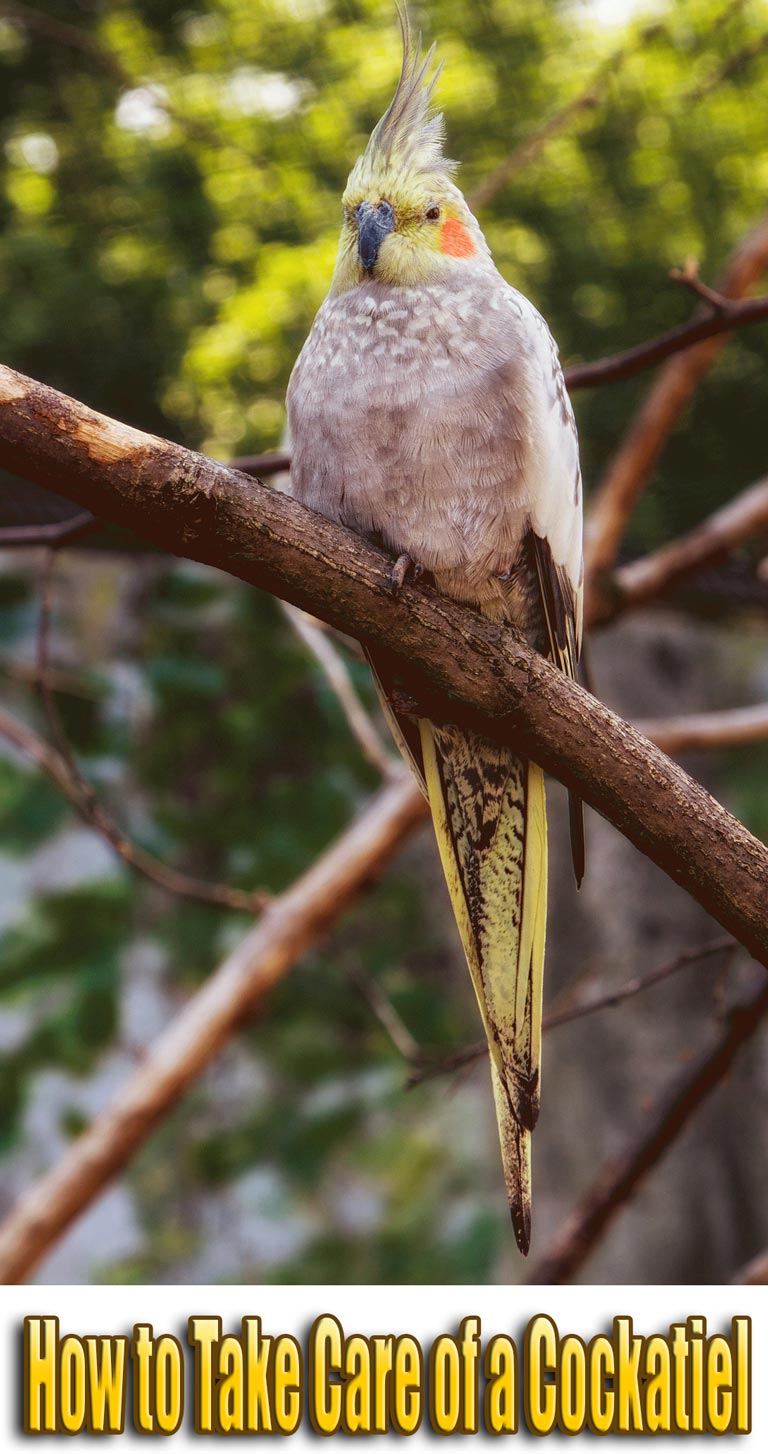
(73, 37)
(755, 1273)
(334, 669)
(182, 885)
(274, 462)
(60, 766)
(58, 532)
(688, 277)
(705, 731)
(60, 678)
(729, 68)
(681, 339)
(458, 665)
(534, 144)
(290, 925)
(626, 475)
(640, 983)
(619, 1178)
(391, 1021)
(36, 750)
(655, 574)
(593, 1005)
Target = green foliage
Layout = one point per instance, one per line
(30, 809)
(169, 203)
(66, 954)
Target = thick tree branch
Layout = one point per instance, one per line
(636, 457)
(577, 376)
(293, 922)
(458, 665)
(619, 1178)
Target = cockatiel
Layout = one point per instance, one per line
(427, 411)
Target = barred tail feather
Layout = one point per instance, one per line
(489, 813)
(516, 1160)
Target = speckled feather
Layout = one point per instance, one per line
(435, 418)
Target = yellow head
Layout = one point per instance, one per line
(405, 222)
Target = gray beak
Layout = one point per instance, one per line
(373, 224)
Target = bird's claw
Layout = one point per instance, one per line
(505, 575)
(403, 569)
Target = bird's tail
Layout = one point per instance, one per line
(489, 813)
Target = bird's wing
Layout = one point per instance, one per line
(556, 499)
(556, 526)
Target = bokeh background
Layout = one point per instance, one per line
(170, 178)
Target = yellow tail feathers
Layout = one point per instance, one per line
(489, 812)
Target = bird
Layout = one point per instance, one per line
(427, 411)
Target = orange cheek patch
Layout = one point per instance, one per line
(455, 240)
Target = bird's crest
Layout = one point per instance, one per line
(409, 137)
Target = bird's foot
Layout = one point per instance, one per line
(505, 575)
(403, 569)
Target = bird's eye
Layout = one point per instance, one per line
(433, 214)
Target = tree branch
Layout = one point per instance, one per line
(74, 37)
(458, 665)
(81, 795)
(334, 669)
(619, 1178)
(706, 730)
(654, 350)
(530, 147)
(58, 532)
(625, 478)
(261, 466)
(755, 1272)
(390, 1020)
(655, 574)
(291, 924)
(730, 67)
(577, 376)
(587, 100)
